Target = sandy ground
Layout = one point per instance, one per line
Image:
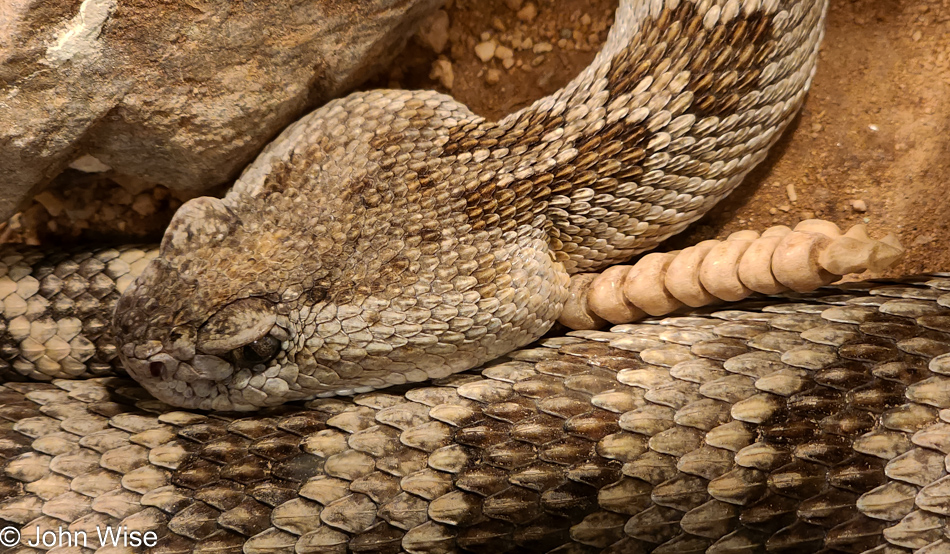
(874, 129)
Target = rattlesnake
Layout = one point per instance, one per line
(393, 237)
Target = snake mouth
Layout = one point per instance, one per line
(206, 382)
(162, 376)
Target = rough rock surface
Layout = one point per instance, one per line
(181, 93)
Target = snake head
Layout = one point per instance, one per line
(325, 271)
(194, 342)
(240, 311)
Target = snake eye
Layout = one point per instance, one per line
(260, 351)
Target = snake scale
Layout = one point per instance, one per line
(394, 237)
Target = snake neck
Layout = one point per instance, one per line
(682, 102)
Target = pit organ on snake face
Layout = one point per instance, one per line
(394, 236)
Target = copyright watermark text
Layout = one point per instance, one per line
(103, 536)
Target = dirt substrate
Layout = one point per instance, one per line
(872, 144)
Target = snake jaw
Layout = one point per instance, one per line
(187, 361)
(207, 382)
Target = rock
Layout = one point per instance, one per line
(53, 204)
(492, 76)
(88, 164)
(859, 206)
(790, 191)
(442, 70)
(485, 50)
(528, 12)
(171, 94)
(542, 47)
(434, 31)
(144, 204)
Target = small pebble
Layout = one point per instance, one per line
(143, 204)
(492, 76)
(160, 193)
(53, 204)
(504, 53)
(528, 12)
(513, 4)
(785, 208)
(542, 47)
(89, 164)
(508, 63)
(107, 212)
(790, 191)
(434, 31)
(442, 71)
(859, 206)
(485, 50)
(122, 197)
(585, 19)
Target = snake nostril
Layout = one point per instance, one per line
(156, 368)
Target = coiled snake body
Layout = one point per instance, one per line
(394, 237)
